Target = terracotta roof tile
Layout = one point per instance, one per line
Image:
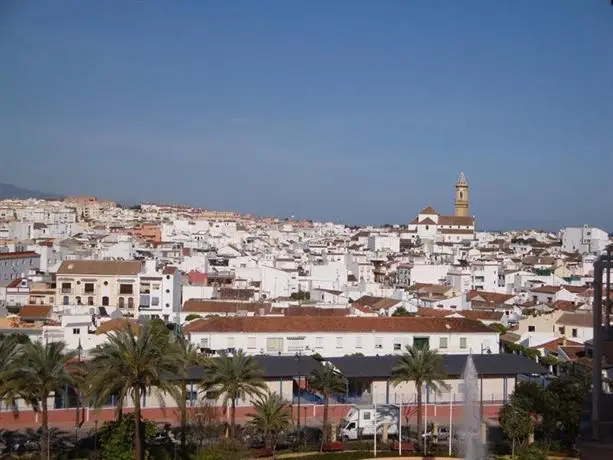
(315, 311)
(216, 306)
(429, 210)
(335, 324)
(116, 325)
(465, 221)
(18, 255)
(100, 267)
(34, 312)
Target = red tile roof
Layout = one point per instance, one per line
(15, 283)
(18, 255)
(34, 312)
(196, 277)
(429, 210)
(169, 270)
(315, 311)
(116, 325)
(100, 267)
(274, 324)
(216, 306)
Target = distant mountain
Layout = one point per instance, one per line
(8, 191)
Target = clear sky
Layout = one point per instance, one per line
(348, 110)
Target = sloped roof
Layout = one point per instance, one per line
(429, 210)
(34, 312)
(100, 267)
(306, 324)
(504, 364)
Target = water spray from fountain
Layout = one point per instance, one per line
(470, 432)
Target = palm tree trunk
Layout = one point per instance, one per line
(419, 414)
(138, 441)
(325, 434)
(232, 418)
(44, 445)
(183, 409)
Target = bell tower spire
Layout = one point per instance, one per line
(461, 197)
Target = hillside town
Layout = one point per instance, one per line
(295, 293)
(74, 268)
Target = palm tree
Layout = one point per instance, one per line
(190, 357)
(271, 417)
(424, 367)
(233, 376)
(328, 381)
(36, 372)
(8, 347)
(131, 363)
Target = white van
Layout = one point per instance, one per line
(362, 421)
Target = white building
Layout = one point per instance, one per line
(338, 336)
(583, 239)
(384, 242)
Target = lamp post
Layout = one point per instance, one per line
(298, 360)
(77, 422)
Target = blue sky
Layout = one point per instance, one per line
(353, 111)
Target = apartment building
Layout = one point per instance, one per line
(136, 288)
(108, 283)
(14, 265)
(338, 336)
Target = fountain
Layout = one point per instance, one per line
(470, 431)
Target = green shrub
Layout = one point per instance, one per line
(117, 438)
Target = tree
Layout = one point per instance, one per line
(190, 356)
(35, 373)
(300, 295)
(271, 417)
(233, 376)
(500, 328)
(424, 367)
(401, 311)
(192, 316)
(529, 397)
(117, 437)
(516, 424)
(131, 363)
(8, 346)
(328, 381)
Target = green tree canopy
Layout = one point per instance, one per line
(271, 417)
(516, 424)
(233, 376)
(131, 364)
(424, 367)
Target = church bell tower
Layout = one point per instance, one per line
(461, 197)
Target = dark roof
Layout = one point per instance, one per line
(490, 365)
(273, 367)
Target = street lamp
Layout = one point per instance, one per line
(77, 422)
(298, 360)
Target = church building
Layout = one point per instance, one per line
(430, 225)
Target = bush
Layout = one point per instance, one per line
(117, 438)
(531, 452)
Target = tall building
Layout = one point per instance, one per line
(461, 197)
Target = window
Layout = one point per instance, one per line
(397, 343)
(121, 302)
(125, 289)
(421, 342)
(274, 345)
(76, 331)
(251, 343)
(358, 341)
(574, 332)
(366, 415)
(442, 342)
(319, 342)
(66, 300)
(166, 318)
(204, 342)
(88, 288)
(155, 301)
(130, 302)
(66, 288)
(105, 301)
(78, 298)
(339, 342)
(562, 330)
(378, 342)
(463, 344)
(531, 328)
(90, 301)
